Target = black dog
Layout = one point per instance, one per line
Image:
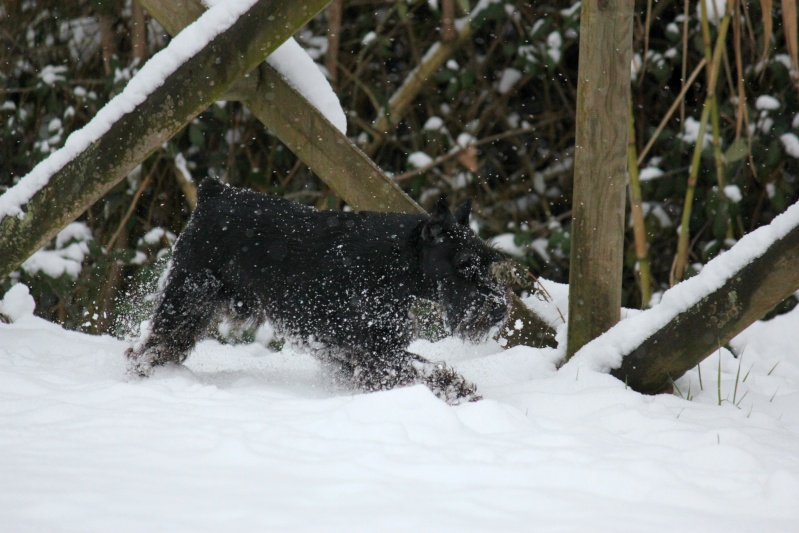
(340, 283)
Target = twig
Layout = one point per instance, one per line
(333, 38)
(639, 227)
(681, 259)
(401, 100)
(455, 153)
(132, 206)
(680, 98)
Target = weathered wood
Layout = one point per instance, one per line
(351, 174)
(183, 95)
(715, 320)
(535, 331)
(600, 163)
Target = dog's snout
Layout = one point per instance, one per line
(498, 309)
(498, 312)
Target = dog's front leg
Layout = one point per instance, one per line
(445, 382)
(185, 311)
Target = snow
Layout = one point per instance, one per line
(151, 76)
(52, 74)
(156, 236)
(554, 44)
(368, 38)
(245, 439)
(690, 132)
(67, 257)
(715, 10)
(304, 74)
(506, 242)
(183, 167)
(84, 37)
(17, 303)
(649, 173)
(433, 124)
(465, 140)
(75, 231)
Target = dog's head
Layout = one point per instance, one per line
(465, 273)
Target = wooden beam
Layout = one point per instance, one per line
(702, 329)
(182, 96)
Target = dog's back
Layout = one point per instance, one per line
(256, 231)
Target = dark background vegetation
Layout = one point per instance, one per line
(62, 61)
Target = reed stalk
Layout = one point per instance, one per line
(681, 259)
(637, 213)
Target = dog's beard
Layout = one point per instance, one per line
(478, 321)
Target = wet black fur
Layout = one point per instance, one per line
(341, 283)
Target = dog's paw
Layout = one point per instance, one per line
(448, 385)
(139, 365)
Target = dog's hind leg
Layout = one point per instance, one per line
(372, 371)
(188, 304)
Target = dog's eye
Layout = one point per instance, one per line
(467, 264)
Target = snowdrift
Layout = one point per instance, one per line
(246, 439)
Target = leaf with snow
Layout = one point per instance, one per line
(433, 124)
(649, 173)
(690, 132)
(733, 193)
(767, 103)
(53, 74)
(715, 10)
(508, 79)
(791, 144)
(419, 160)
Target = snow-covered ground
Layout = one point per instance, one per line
(245, 439)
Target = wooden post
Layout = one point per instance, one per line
(600, 164)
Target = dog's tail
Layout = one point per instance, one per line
(209, 188)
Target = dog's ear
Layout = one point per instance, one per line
(435, 225)
(463, 212)
(442, 208)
